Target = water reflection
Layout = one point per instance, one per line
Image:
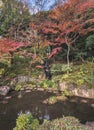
(78, 107)
(37, 114)
(46, 116)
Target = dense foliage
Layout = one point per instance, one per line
(26, 122)
(68, 23)
(62, 35)
(14, 16)
(66, 30)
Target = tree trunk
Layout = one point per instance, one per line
(12, 59)
(68, 60)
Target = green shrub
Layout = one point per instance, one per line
(52, 100)
(90, 42)
(65, 123)
(18, 87)
(26, 122)
(81, 75)
(60, 68)
(47, 83)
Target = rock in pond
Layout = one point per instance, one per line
(4, 90)
(90, 124)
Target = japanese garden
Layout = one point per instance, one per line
(46, 65)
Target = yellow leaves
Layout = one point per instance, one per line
(43, 44)
(80, 81)
(1, 71)
(35, 59)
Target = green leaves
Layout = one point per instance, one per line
(26, 122)
(12, 14)
(60, 68)
(90, 42)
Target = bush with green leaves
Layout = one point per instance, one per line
(65, 123)
(90, 42)
(26, 122)
(47, 84)
(60, 69)
(80, 75)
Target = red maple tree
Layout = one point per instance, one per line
(67, 22)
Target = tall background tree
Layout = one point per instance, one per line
(14, 16)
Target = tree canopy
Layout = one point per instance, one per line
(14, 15)
(68, 22)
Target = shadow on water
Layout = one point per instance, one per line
(81, 108)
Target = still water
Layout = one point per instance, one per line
(81, 108)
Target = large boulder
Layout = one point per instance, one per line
(62, 86)
(24, 79)
(4, 90)
(82, 91)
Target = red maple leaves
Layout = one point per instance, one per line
(7, 46)
(68, 21)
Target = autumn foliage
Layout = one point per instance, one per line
(68, 22)
(62, 25)
(7, 46)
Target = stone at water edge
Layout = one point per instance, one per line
(4, 90)
(62, 86)
(8, 97)
(90, 124)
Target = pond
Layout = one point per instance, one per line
(34, 102)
